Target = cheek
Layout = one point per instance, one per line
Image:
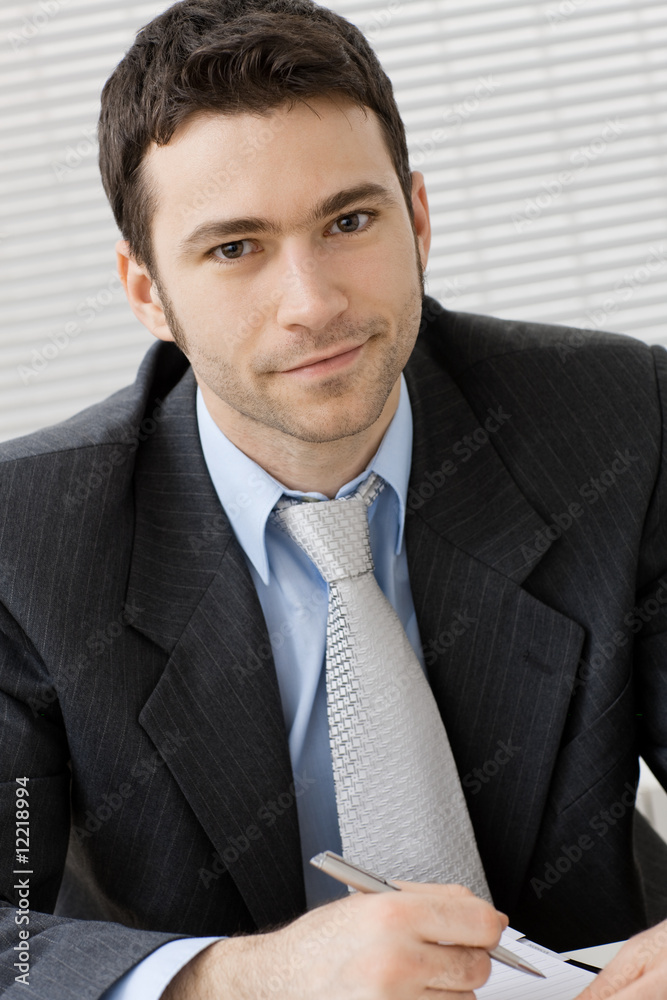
(228, 312)
(391, 267)
(232, 339)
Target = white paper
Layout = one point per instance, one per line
(563, 981)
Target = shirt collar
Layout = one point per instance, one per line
(248, 493)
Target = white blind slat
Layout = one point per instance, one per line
(509, 239)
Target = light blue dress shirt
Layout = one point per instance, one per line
(293, 597)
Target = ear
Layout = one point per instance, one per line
(421, 213)
(141, 293)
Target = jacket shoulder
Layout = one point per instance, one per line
(68, 502)
(113, 421)
(465, 340)
(573, 401)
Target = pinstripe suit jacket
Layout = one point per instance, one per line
(139, 696)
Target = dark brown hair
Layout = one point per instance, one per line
(232, 56)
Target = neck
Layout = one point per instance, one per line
(303, 465)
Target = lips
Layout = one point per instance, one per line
(338, 357)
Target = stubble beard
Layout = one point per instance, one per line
(279, 413)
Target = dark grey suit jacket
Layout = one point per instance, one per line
(138, 692)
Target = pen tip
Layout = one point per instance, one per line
(317, 860)
(533, 971)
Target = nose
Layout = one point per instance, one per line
(310, 290)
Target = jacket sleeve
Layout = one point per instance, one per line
(42, 955)
(648, 619)
(149, 979)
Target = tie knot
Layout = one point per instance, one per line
(333, 533)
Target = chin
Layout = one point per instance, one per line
(334, 428)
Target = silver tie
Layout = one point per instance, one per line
(401, 809)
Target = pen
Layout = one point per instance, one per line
(364, 881)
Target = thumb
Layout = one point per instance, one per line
(625, 968)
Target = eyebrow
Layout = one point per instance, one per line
(208, 232)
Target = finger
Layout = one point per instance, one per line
(447, 969)
(600, 988)
(446, 995)
(624, 968)
(420, 966)
(639, 958)
(455, 968)
(452, 888)
(590, 993)
(651, 986)
(459, 921)
(456, 915)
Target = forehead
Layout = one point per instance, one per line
(274, 165)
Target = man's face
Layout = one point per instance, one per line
(296, 315)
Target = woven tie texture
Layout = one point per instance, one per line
(401, 809)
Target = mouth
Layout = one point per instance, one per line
(326, 363)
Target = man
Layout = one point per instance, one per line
(162, 668)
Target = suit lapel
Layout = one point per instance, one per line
(219, 685)
(499, 661)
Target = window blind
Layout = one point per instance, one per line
(540, 128)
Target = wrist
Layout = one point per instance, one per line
(192, 980)
(225, 969)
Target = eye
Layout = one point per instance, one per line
(228, 252)
(353, 222)
(348, 225)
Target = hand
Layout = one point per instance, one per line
(364, 947)
(638, 972)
